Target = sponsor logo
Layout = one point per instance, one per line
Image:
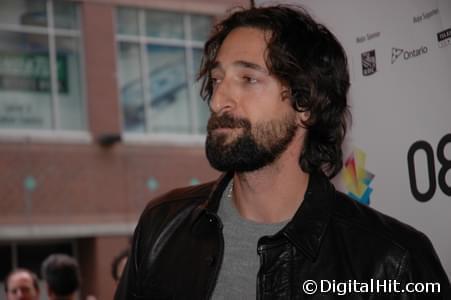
(425, 15)
(367, 37)
(369, 62)
(357, 180)
(444, 38)
(407, 54)
(395, 53)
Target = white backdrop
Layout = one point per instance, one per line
(404, 97)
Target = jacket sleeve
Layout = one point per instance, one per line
(421, 265)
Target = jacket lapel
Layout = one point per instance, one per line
(308, 226)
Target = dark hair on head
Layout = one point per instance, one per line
(307, 58)
(116, 261)
(62, 274)
(33, 276)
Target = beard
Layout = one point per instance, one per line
(252, 148)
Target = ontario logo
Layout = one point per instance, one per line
(357, 180)
(407, 54)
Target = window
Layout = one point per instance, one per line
(40, 65)
(159, 55)
(6, 257)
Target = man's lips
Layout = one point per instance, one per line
(221, 129)
(225, 129)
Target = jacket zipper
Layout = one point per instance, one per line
(260, 254)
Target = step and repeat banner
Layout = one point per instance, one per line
(398, 152)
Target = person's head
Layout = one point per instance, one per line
(62, 276)
(118, 264)
(273, 77)
(21, 284)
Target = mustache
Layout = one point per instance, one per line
(226, 121)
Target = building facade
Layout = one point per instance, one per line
(99, 113)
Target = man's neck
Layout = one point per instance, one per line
(274, 193)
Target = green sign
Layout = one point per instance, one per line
(31, 72)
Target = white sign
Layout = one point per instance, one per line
(399, 56)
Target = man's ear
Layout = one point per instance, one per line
(286, 93)
(302, 118)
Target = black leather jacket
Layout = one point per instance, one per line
(178, 247)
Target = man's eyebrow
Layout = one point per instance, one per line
(250, 65)
(242, 64)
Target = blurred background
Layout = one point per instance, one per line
(99, 113)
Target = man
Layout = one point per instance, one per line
(276, 82)
(22, 284)
(62, 276)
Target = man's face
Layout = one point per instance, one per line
(20, 287)
(251, 122)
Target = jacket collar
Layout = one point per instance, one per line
(308, 226)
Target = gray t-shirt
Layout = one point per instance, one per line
(238, 275)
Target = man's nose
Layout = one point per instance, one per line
(222, 100)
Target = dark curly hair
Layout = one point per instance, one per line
(306, 57)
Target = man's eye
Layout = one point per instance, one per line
(215, 80)
(249, 79)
